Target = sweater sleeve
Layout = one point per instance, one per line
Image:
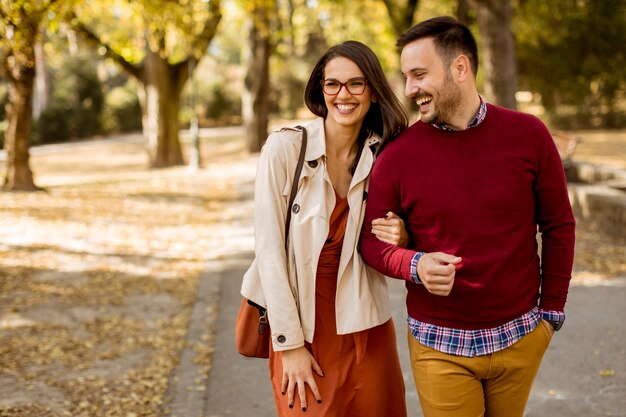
(556, 223)
(384, 196)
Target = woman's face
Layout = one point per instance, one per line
(346, 108)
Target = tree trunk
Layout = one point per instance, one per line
(160, 103)
(401, 15)
(19, 176)
(41, 98)
(255, 97)
(498, 51)
(463, 8)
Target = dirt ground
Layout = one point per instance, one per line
(98, 273)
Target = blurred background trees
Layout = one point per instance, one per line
(102, 67)
(572, 54)
(157, 43)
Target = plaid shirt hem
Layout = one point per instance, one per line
(470, 343)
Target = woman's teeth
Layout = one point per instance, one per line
(345, 107)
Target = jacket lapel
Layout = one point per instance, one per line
(356, 200)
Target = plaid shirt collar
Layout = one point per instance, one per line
(476, 120)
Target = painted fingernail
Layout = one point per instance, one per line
(319, 401)
(290, 405)
(304, 409)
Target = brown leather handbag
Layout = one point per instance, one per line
(252, 329)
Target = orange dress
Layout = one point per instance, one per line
(362, 375)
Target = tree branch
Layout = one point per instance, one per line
(203, 40)
(6, 17)
(50, 3)
(90, 36)
(391, 7)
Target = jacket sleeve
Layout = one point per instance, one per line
(384, 196)
(556, 223)
(271, 193)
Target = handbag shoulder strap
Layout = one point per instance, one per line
(296, 179)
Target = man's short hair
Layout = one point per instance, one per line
(451, 39)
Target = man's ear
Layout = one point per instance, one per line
(461, 68)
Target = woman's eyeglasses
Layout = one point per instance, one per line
(355, 86)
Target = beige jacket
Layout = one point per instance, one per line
(286, 283)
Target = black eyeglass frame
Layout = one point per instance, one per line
(342, 85)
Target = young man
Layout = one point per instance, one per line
(473, 183)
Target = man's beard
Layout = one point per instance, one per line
(448, 102)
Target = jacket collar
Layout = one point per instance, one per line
(316, 146)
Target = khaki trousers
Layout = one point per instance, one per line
(495, 385)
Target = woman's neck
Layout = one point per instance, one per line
(342, 148)
(341, 141)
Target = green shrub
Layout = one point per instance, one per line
(53, 125)
(213, 95)
(76, 106)
(289, 79)
(222, 103)
(122, 112)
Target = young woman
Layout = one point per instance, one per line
(333, 341)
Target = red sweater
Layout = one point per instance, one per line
(479, 194)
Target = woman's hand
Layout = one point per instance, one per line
(297, 370)
(390, 229)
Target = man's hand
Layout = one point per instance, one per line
(436, 271)
(390, 229)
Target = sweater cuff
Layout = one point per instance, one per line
(416, 279)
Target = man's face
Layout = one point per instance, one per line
(429, 82)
